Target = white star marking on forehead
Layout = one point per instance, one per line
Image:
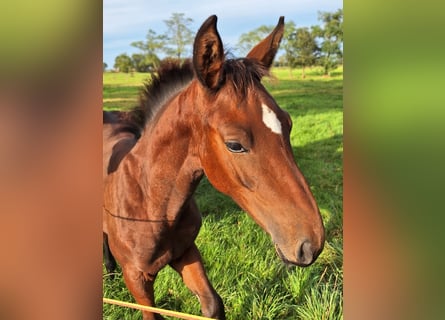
(270, 119)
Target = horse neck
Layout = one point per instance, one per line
(167, 160)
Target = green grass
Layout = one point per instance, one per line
(239, 256)
(121, 90)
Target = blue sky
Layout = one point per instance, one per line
(125, 21)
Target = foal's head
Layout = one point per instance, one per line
(245, 148)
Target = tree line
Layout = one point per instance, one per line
(319, 45)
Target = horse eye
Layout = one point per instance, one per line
(235, 147)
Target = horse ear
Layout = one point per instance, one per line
(208, 54)
(266, 50)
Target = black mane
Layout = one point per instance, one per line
(242, 74)
(163, 84)
(168, 80)
(171, 77)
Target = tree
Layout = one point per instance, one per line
(300, 47)
(178, 35)
(152, 45)
(248, 40)
(105, 66)
(144, 63)
(306, 49)
(288, 44)
(331, 35)
(123, 63)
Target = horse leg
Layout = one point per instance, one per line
(110, 262)
(140, 285)
(191, 269)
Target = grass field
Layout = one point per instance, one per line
(239, 256)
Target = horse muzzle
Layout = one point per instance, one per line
(304, 255)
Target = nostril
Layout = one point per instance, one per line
(305, 254)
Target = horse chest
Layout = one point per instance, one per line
(153, 244)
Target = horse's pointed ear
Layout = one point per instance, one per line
(266, 50)
(208, 54)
